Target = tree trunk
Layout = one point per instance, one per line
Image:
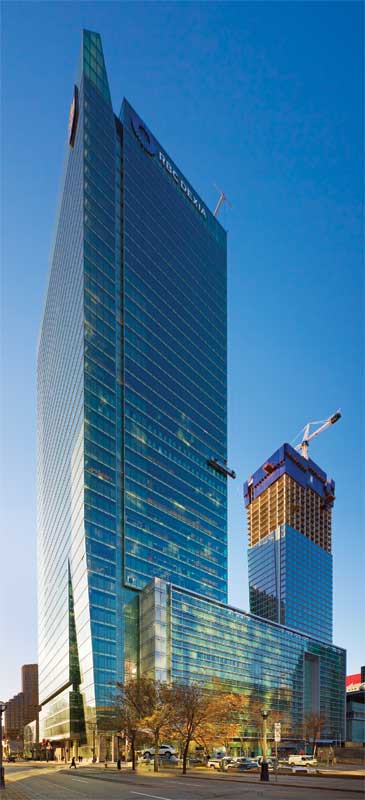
(157, 747)
(185, 755)
(133, 755)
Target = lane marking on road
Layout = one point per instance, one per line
(156, 796)
(184, 780)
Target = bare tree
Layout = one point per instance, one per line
(190, 712)
(312, 725)
(200, 715)
(156, 720)
(131, 705)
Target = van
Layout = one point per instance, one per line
(302, 760)
(164, 750)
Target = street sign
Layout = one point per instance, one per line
(277, 731)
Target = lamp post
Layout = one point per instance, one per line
(264, 765)
(2, 777)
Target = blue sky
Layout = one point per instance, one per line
(265, 100)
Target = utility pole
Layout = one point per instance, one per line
(264, 765)
(277, 737)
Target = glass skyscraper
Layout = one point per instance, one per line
(132, 432)
(132, 401)
(290, 581)
(289, 502)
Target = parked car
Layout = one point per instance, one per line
(233, 762)
(244, 764)
(11, 759)
(214, 763)
(169, 757)
(164, 750)
(199, 760)
(302, 760)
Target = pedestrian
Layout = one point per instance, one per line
(73, 762)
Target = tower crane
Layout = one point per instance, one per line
(307, 436)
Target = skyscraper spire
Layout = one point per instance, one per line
(93, 63)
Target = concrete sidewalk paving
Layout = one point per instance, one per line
(14, 792)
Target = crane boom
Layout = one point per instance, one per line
(222, 199)
(307, 437)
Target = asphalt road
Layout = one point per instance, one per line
(50, 783)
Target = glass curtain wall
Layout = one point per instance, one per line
(174, 263)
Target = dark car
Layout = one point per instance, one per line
(11, 759)
(169, 758)
(244, 764)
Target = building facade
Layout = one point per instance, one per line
(14, 721)
(289, 502)
(29, 675)
(132, 440)
(355, 708)
(186, 637)
(32, 749)
(22, 709)
(131, 402)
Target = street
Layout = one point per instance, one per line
(38, 782)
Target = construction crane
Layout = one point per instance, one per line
(223, 198)
(307, 436)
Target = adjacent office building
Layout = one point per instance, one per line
(132, 424)
(22, 708)
(289, 502)
(30, 691)
(355, 707)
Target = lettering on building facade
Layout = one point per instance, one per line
(181, 183)
(148, 142)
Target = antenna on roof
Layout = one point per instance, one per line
(223, 198)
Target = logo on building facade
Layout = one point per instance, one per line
(149, 144)
(143, 136)
(73, 117)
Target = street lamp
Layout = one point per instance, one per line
(264, 765)
(2, 777)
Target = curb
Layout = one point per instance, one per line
(235, 780)
(285, 785)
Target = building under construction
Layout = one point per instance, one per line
(289, 501)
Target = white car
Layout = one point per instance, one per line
(163, 750)
(214, 763)
(296, 760)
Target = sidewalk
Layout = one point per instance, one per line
(14, 792)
